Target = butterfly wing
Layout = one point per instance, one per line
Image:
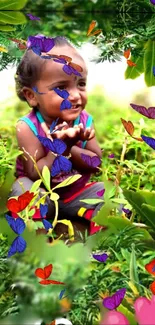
(86, 159)
(17, 246)
(24, 199)
(130, 63)
(127, 53)
(100, 193)
(65, 104)
(34, 41)
(22, 46)
(36, 50)
(96, 32)
(67, 69)
(56, 146)
(152, 287)
(119, 296)
(150, 267)
(43, 210)
(95, 161)
(129, 127)
(100, 258)
(62, 93)
(45, 272)
(60, 164)
(65, 57)
(17, 225)
(46, 282)
(109, 303)
(149, 141)
(140, 109)
(154, 71)
(60, 146)
(47, 44)
(13, 205)
(91, 27)
(61, 293)
(76, 67)
(60, 61)
(36, 90)
(53, 125)
(151, 112)
(74, 71)
(47, 224)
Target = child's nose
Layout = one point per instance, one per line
(74, 94)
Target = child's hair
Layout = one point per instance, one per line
(31, 66)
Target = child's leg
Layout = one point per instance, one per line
(72, 206)
(27, 183)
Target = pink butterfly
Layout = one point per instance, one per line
(150, 112)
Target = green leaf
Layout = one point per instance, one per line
(47, 177)
(148, 196)
(14, 18)
(12, 4)
(7, 28)
(5, 190)
(35, 186)
(149, 62)
(110, 189)
(135, 72)
(133, 269)
(127, 314)
(102, 215)
(38, 225)
(31, 212)
(149, 212)
(91, 201)
(68, 181)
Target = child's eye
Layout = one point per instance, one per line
(82, 84)
(61, 87)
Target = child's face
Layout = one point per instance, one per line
(54, 76)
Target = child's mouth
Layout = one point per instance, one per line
(75, 107)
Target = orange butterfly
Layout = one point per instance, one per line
(129, 127)
(68, 59)
(127, 54)
(44, 274)
(91, 27)
(19, 204)
(53, 323)
(150, 267)
(21, 46)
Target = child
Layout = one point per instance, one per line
(74, 126)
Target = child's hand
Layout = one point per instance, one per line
(71, 135)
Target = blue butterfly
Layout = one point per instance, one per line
(69, 70)
(60, 164)
(54, 123)
(18, 226)
(43, 212)
(66, 104)
(149, 141)
(154, 71)
(62, 293)
(36, 90)
(17, 246)
(57, 146)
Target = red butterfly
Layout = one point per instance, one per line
(127, 55)
(19, 204)
(44, 274)
(150, 267)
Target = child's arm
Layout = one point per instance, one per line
(27, 140)
(91, 149)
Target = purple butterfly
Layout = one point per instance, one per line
(36, 91)
(154, 71)
(150, 112)
(66, 104)
(149, 141)
(43, 212)
(60, 163)
(100, 258)
(111, 156)
(69, 70)
(32, 17)
(115, 300)
(127, 211)
(61, 60)
(91, 161)
(17, 246)
(153, 2)
(18, 226)
(44, 44)
(100, 193)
